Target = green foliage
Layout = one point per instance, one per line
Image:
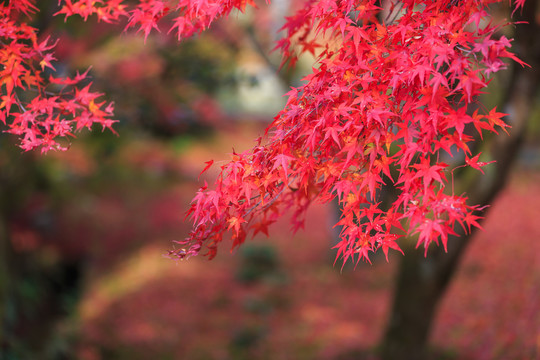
(259, 263)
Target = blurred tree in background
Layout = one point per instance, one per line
(422, 281)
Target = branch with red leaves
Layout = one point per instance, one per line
(387, 100)
(40, 108)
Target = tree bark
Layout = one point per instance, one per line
(422, 281)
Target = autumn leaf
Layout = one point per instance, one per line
(473, 162)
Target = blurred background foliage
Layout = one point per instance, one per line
(83, 232)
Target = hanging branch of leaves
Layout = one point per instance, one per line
(386, 101)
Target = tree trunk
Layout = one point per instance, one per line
(422, 281)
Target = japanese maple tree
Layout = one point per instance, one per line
(387, 104)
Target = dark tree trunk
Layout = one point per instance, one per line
(422, 281)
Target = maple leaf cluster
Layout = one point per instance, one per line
(386, 101)
(41, 108)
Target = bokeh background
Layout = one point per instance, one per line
(84, 232)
